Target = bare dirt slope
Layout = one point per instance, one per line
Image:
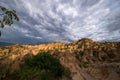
(86, 59)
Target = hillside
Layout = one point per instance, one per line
(85, 58)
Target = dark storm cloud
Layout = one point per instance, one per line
(63, 20)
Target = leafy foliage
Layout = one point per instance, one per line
(7, 17)
(41, 67)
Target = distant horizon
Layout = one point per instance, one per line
(10, 43)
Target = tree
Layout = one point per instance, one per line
(7, 17)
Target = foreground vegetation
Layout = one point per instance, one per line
(40, 67)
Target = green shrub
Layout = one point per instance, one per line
(41, 67)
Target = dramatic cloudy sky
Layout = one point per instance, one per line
(63, 20)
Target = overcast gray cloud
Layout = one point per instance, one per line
(63, 20)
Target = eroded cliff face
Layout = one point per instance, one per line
(86, 59)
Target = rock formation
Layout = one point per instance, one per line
(86, 59)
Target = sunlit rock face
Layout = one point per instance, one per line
(85, 58)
